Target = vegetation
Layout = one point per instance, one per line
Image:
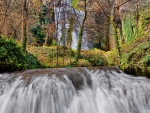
(135, 52)
(42, 36)
(38, 33)
(12, 57)
(48, 57)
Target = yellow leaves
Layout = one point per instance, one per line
(36, 3)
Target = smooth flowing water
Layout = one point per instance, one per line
(77, 90)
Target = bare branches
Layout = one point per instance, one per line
(102, 8)
(5, 14)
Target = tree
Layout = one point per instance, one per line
(112, 10)
(24, 24)
(81, 33)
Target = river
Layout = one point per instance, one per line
(74, 90)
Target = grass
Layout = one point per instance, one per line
(48, 56)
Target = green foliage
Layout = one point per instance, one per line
(97, 60)
(11, 57)
(69, 31)
(44, 10)
(145, 60)
(24, 44)
(141, 27)
(62, 52)
(112, 57)
(129, 29)
(32, 61)
(38, 33)
(95, 57)
(83, 63)
(134, 25)
(47, 56)
(75, 3)
(78, 46)
(42, 16)
(116, 35)
(137, 59)
(95, 49)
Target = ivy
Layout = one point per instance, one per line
(129, 29)
(74, 3)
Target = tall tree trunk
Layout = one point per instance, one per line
(80, 35)
(137, 21)
(117, 27)
(24, 24)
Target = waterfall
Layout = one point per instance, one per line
(63, 11)
(76, 90)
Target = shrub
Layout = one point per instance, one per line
(95, 57)
(112, 57)
(38, 33)
(83, 63)
(11, 55)
(32, 61)
(137, 60)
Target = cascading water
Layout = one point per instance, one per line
(77, 90)
(63, 11)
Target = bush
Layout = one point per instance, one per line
(112, 57)
(83, 63)
(95, 57)
(146, 60)
(38, 33)
(137, 60)
(32, 61)
(11, 55)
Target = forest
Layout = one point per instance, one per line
(75, 33)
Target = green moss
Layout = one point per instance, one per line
(145, 60)
(79, 46)
(129, 30)
(24, 44)
(137, 60)
(117, 39)
(136, 49)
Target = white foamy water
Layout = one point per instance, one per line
(110, 92)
